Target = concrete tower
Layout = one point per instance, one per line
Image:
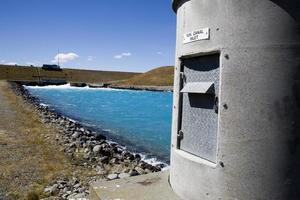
(235, 132)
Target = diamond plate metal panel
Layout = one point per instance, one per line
(199, 121)
(198, 87)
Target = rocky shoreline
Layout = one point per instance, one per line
(87, 148)
(147, 88)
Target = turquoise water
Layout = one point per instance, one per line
(139, 120)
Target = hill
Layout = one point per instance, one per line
(26, 73)
(161, 76)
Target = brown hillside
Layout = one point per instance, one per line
(26, 73)
(161, 76)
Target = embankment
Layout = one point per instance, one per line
(78, 155)
(39, 75)
(29, 160)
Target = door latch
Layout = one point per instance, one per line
(216, 105)
(180, 135)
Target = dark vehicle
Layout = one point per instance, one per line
(51, 67)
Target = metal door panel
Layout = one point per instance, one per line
(199, 120)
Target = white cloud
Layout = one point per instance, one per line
(90, 58)
(126, 54)
(64, 57)
(2, 61)
(119, 56)
(10, 63)
(159, 53)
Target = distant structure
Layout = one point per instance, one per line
(51, 67)
(236, 122)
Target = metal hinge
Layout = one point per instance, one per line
(180, 135)
(182, 76)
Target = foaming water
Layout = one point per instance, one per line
(69, 87)
(138, 120)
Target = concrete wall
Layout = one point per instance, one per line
(258, 154)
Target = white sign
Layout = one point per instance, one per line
(201, 34)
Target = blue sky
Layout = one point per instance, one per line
(119, 35)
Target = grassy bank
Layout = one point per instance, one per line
(30, 157)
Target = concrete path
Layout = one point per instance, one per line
(153, 186)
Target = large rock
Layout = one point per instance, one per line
(52, 190)
(123, 175)
(106, 152)
(127, 155)
(97, 148)
(133, 172)
(72, 145)
(77, 185)
(142, 164)
(130, 157)
(139, 170)
(137, 157)
(112, 176)
(104, 159)
(114, 161)
(160, 166)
